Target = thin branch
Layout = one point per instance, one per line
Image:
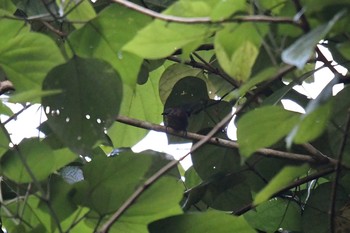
(105, 228)
(200, 20)
(303, 20)
(296, 183)
(304, 23)
(14, 116)
(222, 142)
(337, 172)
(205, 67)
(53, 29)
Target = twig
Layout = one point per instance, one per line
(337, 172)
(200, 20)
(16, 114)
(205, 67)
(105, 228)
(51, 28)
(296, 183)
(222, 142)
(304, 23)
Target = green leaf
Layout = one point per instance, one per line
(313, 124)
(60, 201)
(300, 51)
(100, 38)
(173, 36)
(206, 165)
(344, 49)
(35, 154)
(4, 140)
(31, 96)
(225, 8)
(116, 180)
(77, 11)
(8, 6)
(62, 157)
(172, 75)
(141, 103)
(262, 76)
(315, 120)
(201, 222)
(151, 206)
(22, 53)
(316, 218)
(29, 215)
(227, 192)
(237, 47)
(263, 127)
(168, 37)
(274, 214)
(281, 180)
(79, 116)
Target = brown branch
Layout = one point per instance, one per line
(105, 228)
(222, 142)
(200, 20)
(51, 28)
(296, 183)
(205, 67)
(337, 172)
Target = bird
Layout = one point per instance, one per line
(176, 118)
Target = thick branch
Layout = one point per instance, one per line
(199, 20)
(222, 142)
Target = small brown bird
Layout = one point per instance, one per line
(176, 118)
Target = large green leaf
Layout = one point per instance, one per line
(316, 215)
(315, 119)
(89, 102)
(159, 201)
(225, 8)
(141, 103)
(210, 160)
(172, 75)
(8, 6)
(118, 177)
(275, 214)
(60, 200)
(336, 128)
(227, 192)
(237, 47)
(26, 57)
(313, 124)
(104, 36)
(30, 219)
(116, 180)
(34, 153)
(77, 11)
(263, 127)
(4, 140)
(300, 51)
(171, 36)
(201, 222)
(283, 178)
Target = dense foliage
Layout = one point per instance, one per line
(104, 72)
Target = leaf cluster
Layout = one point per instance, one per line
(103, 72)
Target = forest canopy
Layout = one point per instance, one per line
(107, 72)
